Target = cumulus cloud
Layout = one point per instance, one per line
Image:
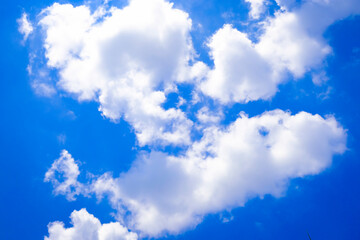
(63, 175)
(88, 227)
(127, 60)
(240, 73)
(25, 27)
(250, 158)
(292, 43)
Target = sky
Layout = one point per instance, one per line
(151, 119)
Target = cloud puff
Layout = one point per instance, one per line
(126, 59)
(240, 73)
(250, 158)
(43, 89)
(257, 7)
(87, 227)
(67, 171)
(25, 27)
(292, 42)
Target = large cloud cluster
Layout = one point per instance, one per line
(250, 158)
(129, 60)
(126, 59)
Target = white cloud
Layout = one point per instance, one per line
(43, 89)
(63, 175)
(127, 59)
(87, 227)
(25, 27)
(286, 4)
(319, 78)
(250, 158)
(292, 42)
(205, 116)
(240, 73)
(257, 7)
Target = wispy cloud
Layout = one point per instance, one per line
(25, 27)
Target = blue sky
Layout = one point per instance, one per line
(197, 120)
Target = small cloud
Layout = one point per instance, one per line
(63, 175)
(85, 226)
(227, 15)
(181, 102)
(325, 94)
(257, 7)
(319, 78)
(25, 27)
(61, 139)
(204, 115)
(226, 217)
(70, 114)
(43, 89)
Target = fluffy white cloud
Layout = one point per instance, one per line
(287, 45)
(63, 175)
(292, 42)
(25, 27)
(87, 227)
(257, 7)
(127, 60)
(240, 73)
(250, 158)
